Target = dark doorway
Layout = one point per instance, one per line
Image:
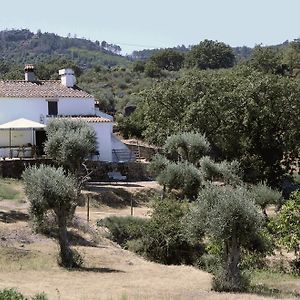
(40, 138)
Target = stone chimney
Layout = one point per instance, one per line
(29, 73)
(67, 76)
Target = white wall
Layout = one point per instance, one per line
(103, 131)
(76, 106)
(117, 144)
(32, 108)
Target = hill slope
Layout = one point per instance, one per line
(23, 46)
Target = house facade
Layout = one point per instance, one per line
(42, 100)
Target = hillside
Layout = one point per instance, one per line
(23, 46)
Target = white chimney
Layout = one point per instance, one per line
(29, 73)
(68, 78)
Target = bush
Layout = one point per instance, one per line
(41, 296)
(165, 240)
(182, 176)
(124, 229)
(224, 283)
(161, 238)
(13, 294)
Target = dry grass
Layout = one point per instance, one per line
(28, 262)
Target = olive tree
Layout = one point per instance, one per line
(229, 216)
(51, 189)
(184, 166)
(69, 143)
(265, 196)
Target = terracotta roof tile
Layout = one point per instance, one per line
(39, 89)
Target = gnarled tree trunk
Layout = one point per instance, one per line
(66, 254)
(232, 260)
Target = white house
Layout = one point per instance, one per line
(36, 102)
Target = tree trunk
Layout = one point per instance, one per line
(66, 254)
(232, 265)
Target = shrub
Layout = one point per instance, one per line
(124, 229)
(287, 225)
(161, 238)
(13, 294)
(223, 283)
(182, 176)
(165, 240)
(41, 296)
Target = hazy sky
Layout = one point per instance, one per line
(136, 25)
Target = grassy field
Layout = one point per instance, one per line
(11, 190)
(28, 260)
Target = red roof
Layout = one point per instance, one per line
(39, 89)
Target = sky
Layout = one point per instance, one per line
(136, 25)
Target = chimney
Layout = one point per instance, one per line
(68, 78)
(29, 73)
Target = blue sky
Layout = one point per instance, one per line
(135, 25)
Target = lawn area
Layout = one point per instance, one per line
(276, 284)
(11, 189)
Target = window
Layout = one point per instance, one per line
(52, 108)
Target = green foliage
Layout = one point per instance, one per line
(226, 210)
(23, 46)
(50, 189)
(265, 196)
(210, 55)
(228, 172)
(287, 224)
(70, 142)
(266, 60)
(230, 217)
(158, 164)
(178, 169)
(246, 115)
(152, 70)
(186, 146)
(13, 294)
(161, 238)
(165, 239)
(223, 283)
(131, 126)
(168, 59)
(124, 229)
(183, 176)
(139, 66)
(41, 296)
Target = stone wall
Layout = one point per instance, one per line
(134, 171)
(14, 168)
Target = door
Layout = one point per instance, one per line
(40, 138)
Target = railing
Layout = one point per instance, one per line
(122, 155)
